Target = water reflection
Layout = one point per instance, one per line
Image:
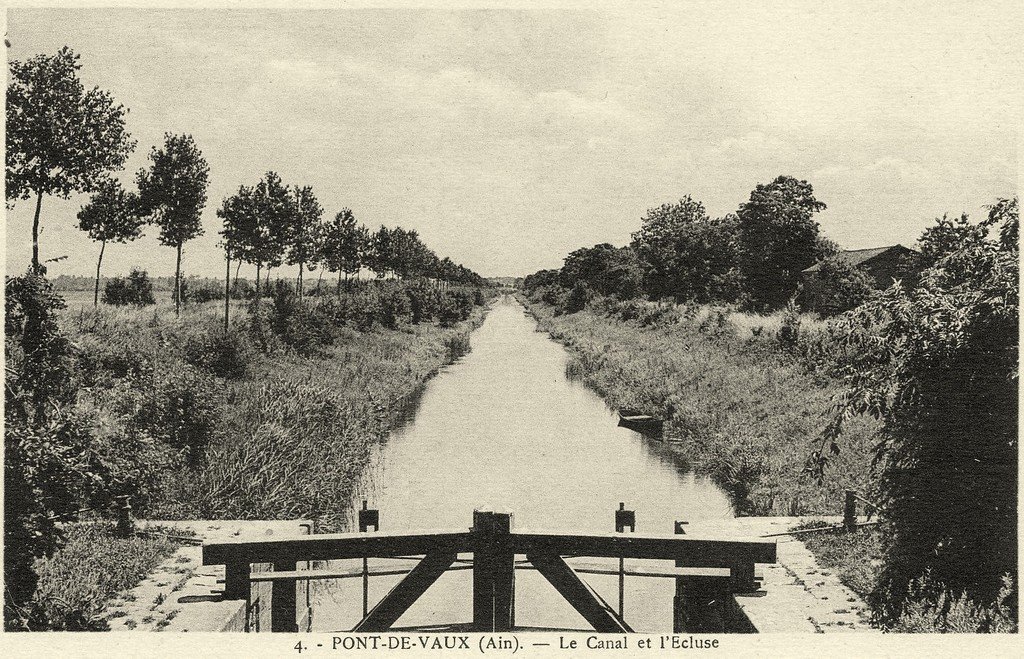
(504, 428)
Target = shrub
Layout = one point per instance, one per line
(947, 614)
(395, 309)
(202, 291)
(835, 288)
(225, 354)
(242, 289)
(448, 312)
(789, 331)
(938, 365)
(181, 409)
(136, 290)
(578, 298)
(48, 467)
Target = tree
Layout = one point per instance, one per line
(938, 365)
(173, 192)
(275, 207)
(344, 245)
(110, 216)
(60, 137)
(777, 239)
(306, 220)
(605, 269)
(686, 255)
(240, 232)
(380, 252)
(946, 236)
(258, 223)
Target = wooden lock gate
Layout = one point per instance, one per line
(707, 573)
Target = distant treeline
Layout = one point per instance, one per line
(752, 258)
(78, 283)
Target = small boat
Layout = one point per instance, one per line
(642, 423)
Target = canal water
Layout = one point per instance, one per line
(505, 429)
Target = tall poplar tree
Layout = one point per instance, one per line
(110, 216)
(173, 192)
(59, 137)
(306, 220)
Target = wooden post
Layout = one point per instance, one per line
(850, 512)
(305, 586)
(677, 600)
(493, 572)
(699, 604)
(283, 605)
(236, 581)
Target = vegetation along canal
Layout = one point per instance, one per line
(505, 428)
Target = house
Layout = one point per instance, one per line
(881, 264)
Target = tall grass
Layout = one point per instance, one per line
(298, 431)
(744, 409)
(291, 430)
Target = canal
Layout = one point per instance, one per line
(504, 428)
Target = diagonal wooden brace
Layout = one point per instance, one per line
(577, 592)
(406, 592)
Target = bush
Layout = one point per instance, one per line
(395, 309)
(181, 409)
(49, 468)
(136, 290)
(946, 614)
(201, 291)
(835, 288)
(938, 365)
(225, 354)
(789, 331)
(242, 289)
(578, 298)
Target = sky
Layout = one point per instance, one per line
(508, 138)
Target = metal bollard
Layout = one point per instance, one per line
(367, 517)
(623, 518)
(125, 527)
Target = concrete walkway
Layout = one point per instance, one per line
(798, 594)
(182, 594)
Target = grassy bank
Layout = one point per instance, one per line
(745, 409)
(263, 434)
(271, 418)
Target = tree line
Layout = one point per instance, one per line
(63, 139)
(752, 257)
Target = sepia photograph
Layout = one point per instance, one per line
(539, 328)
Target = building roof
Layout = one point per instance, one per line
(857, 257)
